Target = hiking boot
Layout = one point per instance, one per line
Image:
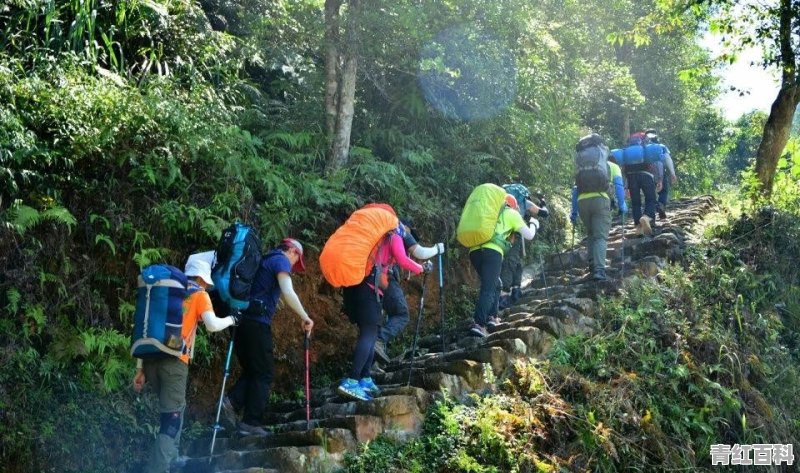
(644, 222)
(380, 351)
(247, 429)
(662, 212)
(351, 389)
(229, 418)
(516, 295)
(493, 322)
(479, 330)
(600, 275)
(369, 386)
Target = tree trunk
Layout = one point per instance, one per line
(332, 66)
(779, 122)
(775, 137)
(625, 131)
(340, 145)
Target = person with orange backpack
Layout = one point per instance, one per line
(363, 307)
(357, 258)
(167, 373)
(489, 219)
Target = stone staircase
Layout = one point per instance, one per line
(554, 304)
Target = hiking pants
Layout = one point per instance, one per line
(363, 309)
(663, 196)
(396, 307)
(511, 272)
(253, 346)
(167, 378)
(642, 182)
(595, 214)
(488, 263)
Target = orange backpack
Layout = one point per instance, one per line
(348, 255)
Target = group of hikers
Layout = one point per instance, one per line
(366, 257)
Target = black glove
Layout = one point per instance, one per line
(427, 266)
(237, 317)
(543, 212)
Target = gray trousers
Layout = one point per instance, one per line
(595, 214)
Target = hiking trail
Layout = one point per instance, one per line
(563, 308)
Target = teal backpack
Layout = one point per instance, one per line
(521, 193)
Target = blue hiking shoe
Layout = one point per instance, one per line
(351, 389)
(369, 386)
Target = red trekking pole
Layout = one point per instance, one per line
(306, 347)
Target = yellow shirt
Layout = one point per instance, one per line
(510, 221)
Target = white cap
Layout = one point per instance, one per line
(200, 268)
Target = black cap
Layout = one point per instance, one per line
(410, 224)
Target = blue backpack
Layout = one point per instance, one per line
(238, 259)
(521, 193)
(654, 153)
(158, 318)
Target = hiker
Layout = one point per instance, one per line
(168, 375)
(669, 178)
(253, 341)
(592, 200)
(394, 300)
(362, 305)
(511, 272)
(487, 259)
(641, 180)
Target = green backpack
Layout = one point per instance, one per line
(479, 217)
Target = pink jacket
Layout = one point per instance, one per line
(392, 253)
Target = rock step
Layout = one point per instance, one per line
(282, 459)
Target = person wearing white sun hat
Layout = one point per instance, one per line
(168, 376)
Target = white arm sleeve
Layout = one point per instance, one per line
(527, 232)
(424, 252)
(214, 323)
(289, 296)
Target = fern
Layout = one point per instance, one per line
(13, 296)
(107, 240)
(148, 256)
(24, 218)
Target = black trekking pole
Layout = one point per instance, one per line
(441, 301)
(307, 349)
(416, 332)
(217, 427)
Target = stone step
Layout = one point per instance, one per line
(283, 459)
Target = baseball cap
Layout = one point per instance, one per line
(300, 266)
(200, 268)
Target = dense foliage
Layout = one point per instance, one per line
(133, 132)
